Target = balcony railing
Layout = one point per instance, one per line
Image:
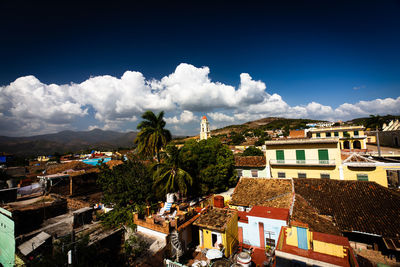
(307, 162)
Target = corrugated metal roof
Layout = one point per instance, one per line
(32, 244)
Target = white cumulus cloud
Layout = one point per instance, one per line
(218, 116)
(185, 117)
(28, 106)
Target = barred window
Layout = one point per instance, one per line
(302, 175)
(325, 176)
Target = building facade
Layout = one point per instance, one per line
(303, 158)
(322, 158)
(261, 226)
(218, 227)
(350, 137)
(298, 246)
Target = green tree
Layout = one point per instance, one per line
(375, 121)
(210, 163)
(236, 138)
(168, 176)
(152, 136)
(252, 151)
(127, 187)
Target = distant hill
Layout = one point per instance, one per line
(66, 141)
(269, 123)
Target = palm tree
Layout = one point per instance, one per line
(168, 176)
(152, 136)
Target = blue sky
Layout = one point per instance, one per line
(81, 66)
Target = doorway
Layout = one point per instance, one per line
(357, 144)
(346, 145)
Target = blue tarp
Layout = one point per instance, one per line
(30, 189)
(3, 159)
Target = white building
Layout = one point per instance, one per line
(204, 129)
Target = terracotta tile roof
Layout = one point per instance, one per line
(297, 134)
(112, 163)
(250, 161)
(215, 219)
(262, 192)
(303, 212)
(355, 205)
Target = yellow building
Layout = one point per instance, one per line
(303, 158)
(218, 229)
(322, 158)
(298, 245)
(350, 137)
(43, 158)
(361, 168)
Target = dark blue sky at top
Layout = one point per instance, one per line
(303, 50)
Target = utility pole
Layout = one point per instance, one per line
(377, 141)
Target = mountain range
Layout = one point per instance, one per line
(73, 141)
(66, 141)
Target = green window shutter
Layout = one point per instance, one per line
(328, 134)
(280, 156)
(362, 177)
(300, 156)
(355, 133)
(336, 134)
(318, 135)
(323, 156)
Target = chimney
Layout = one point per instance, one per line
(219, 202)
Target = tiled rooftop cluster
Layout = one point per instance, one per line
(215, 218)
(250, 161)
(355, 205)
(263, 192)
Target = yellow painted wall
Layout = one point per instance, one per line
(229, 237)
(311, 153)
(375, 174)
(207, 240)
(328, 248)
(311, 172)
(341, 133)
(350, 131)
(371, 139)
(291, 237)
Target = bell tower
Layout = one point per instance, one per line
(204, 128)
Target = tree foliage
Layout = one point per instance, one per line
(168, 176)
(210, 163)
(236, 138)
(127, 187)
(252, 151)
(152, 136)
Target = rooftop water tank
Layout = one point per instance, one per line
(244, 259)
